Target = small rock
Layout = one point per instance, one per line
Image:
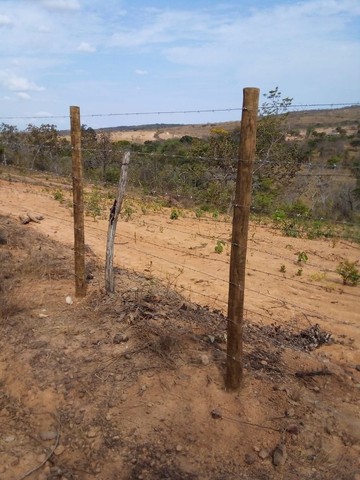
(264, 362)
(279, 455)
(91, 433)
(250, 458)
(316, 389)
(294, 429)
(290, 412)
(257, 449)
(179, 448)
(263, 454)
(216, 413)
(204, 359)
(120, 338)
(9, 438)
(59, 450)
(69, 300)
(211, 338)
(43, 315)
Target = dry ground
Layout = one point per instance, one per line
(130, 386)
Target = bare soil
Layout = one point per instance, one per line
(131, 385)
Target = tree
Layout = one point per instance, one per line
(45, 147)
(277, 159)
(10, 144)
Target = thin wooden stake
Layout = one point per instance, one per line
(114, 214)
(235, 326)
(77, 174)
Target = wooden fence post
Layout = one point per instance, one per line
(114, 214)
(235, 325)
(77, 174)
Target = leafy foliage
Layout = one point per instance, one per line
(349, 272)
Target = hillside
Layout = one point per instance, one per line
(321, 119)
(131, 386)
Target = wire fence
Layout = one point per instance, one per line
(143, 237)
(201, 182)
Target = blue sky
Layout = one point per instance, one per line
(114, 56)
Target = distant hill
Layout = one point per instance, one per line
(301, 120)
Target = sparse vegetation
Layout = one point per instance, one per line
(302, 257)
(174, 214)
(58, 195)
(219, 247)
(349, 272)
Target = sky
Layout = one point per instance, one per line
(121, 57)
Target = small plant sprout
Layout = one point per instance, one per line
(283, 268)
(219, 247)
(215, 214)
(349, 272)
(174, 215)
(302, 257)
(199, 212)
(299, 272)
(58, 195)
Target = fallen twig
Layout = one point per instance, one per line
(50, 453)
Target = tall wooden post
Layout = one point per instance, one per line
(235, 326)
(77, 174)
(114, 215)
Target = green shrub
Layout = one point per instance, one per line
(302, 257)
(58, 195)
(219, 247)
(349, 272)
(174, 215)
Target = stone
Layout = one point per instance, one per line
(179, 448)
(290, 412)
(250, 458)
(59, 450)
(216, 413)
(279, 455)
(69, 300)
(204, 359)
(91, 433)
(120, 338)
(263, 454)
(293, 429)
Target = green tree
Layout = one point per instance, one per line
(45, 147)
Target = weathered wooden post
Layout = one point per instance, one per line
(235, 326)
(114, 214)
(77, 174)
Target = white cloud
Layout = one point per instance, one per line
(16, 83)
(23, 95)
(5, 21)
(61, 4)
(86, 47)
(138, 71)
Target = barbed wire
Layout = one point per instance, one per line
(202, 273)
(176, 112)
